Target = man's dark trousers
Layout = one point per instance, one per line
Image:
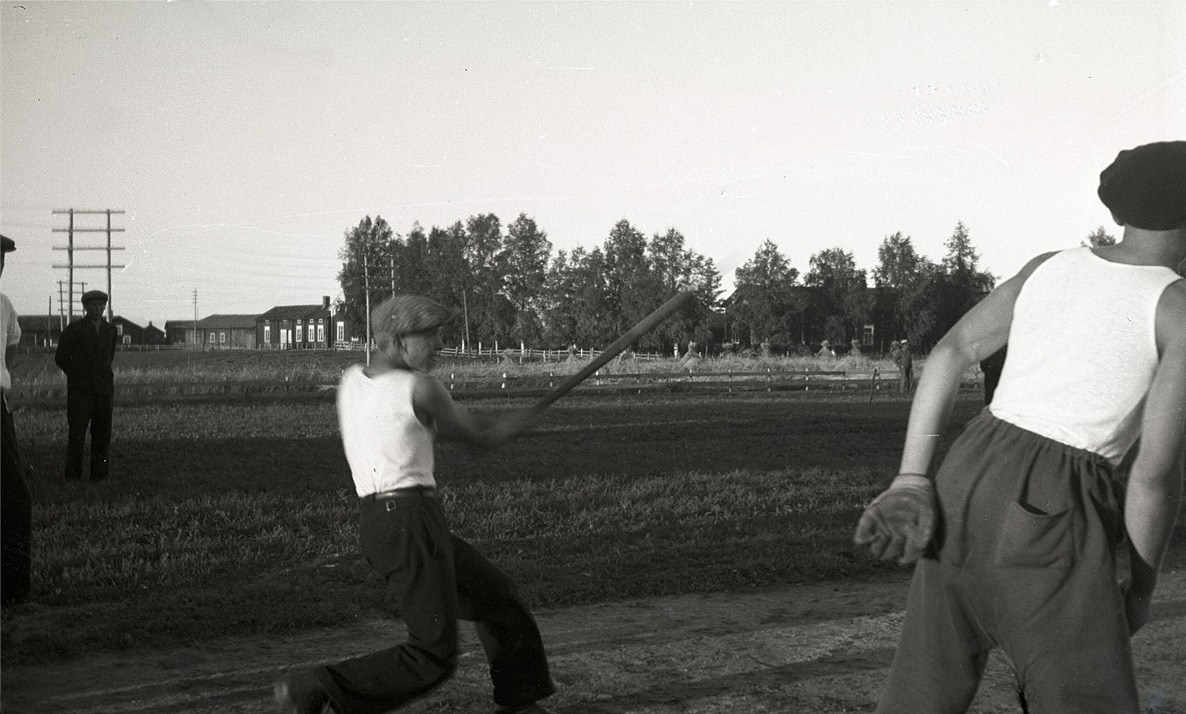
(438, 578)
(82, 409)
(16, 518)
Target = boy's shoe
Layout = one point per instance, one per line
(299, 693)
(532, 708)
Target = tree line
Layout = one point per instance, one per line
(511, 288)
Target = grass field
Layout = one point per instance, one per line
(321, 366)
(239, 518)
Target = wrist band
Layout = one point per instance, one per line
(911, 481)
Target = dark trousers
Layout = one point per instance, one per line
(1025, 562)
(438, 578)
(906, 380)
(16, 518)
(83, 409)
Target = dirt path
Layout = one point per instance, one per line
(809, 648)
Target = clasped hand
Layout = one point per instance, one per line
(899, 523)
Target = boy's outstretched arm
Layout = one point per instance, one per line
(898, 525)
(1155, 482)
(435, 406)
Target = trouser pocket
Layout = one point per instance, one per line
(1031, 538)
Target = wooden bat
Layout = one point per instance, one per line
(644, 326)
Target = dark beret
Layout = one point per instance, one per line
(8, 244)
(94, 295)
(1145, 187)
(405, 314)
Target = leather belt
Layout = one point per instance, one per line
(405, 492)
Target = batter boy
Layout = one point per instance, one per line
(391, 413)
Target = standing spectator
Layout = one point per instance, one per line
(905, 362)
(85, 354)
(16, 519)
(992, 366)
(825, 351)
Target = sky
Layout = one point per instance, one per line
(242, 140)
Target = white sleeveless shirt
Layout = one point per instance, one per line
(386, 446)
(1083, 351)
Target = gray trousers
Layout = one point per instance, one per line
(1024, 561)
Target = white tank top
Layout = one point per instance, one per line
(386, 446)
(1083, 351)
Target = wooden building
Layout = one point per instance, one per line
(222, 332)
(300, 327)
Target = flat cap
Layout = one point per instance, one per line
(405, 314)
(94, 295)
(1145, 187)
(8, 244)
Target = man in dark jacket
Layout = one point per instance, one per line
(85, 354)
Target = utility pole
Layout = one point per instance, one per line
(196, 319)
(366, 281)
(70, 248)
(64, 304)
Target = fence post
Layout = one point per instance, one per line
(872, 385)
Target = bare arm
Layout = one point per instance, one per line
(978, 334)
(434, 405)
(899, 523)
(1155, 482)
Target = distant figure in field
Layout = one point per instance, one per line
(894, 349)
(1016, 534)
(905, 361)
(825, 351)
(690, 358)
(391, 414)
(16, 504)
(765, 348)
(85, 353)
(992, 366)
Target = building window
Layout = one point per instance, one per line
(222, 338)
(299, 332)
(320, 332)
(127, 339)
(341, 332)
(267, 333)
(213, 337)
(867, 335)
(119, 329)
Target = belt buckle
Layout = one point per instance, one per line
(390, 504)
